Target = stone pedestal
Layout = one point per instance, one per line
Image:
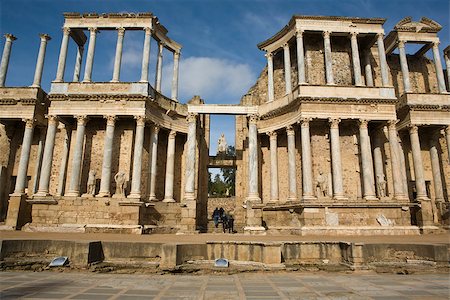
(254, 219)
(425, 214)
(19, 212)
(188, 222)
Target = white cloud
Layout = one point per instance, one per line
(215, 80)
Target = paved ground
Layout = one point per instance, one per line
(53, 285)
(202, 238)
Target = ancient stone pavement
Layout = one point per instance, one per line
(54, 285)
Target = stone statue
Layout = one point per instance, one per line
(120, 183)
(381, 186)
(91, 183)
(321, 185)
(227, 192)
(222, 145)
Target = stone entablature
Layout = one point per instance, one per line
(18, 103)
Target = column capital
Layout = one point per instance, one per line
(447, 130)
(436, 44)
(304, 122)
(81, 120)
(140, 120)
(290, 130)
(66, 30)
(172, 134)
(9, 37)
(44, 37)
(93, 30)
(380, 35)
(354, 34)
(401, 44)
(120, 31)
(286, 46)
(392, 124)
(160, 47)
(299, 33)
(269, 55)
(326, 34)
(191, 117)
(413, 128)
(176, 54)
(334, 122)
(272, 135)
(148, 30)
(29, 123)
(110, 120)
(363, 123)
(253, 118)
(155, 128)
(52, 119)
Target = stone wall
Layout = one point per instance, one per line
(228, 204)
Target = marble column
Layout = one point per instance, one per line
(90, 55)
(105, 180)
(368, 68)
(159, 63)
(270, 90)
(436, 168)
(64, 160)
(399, 191)
(439, 70)
(62, 55)
(135, 192)
(189, 189)
(403, 166)
(291, 164)
(366, 161)
(447, 137)
(146, 55)
(328, 57)
(176, 63)
(355, 59)
(287, 69)
(5, 58)
(24, 157)
(300, 57)
(253, 193)
(378, 163)
(307, 176)
(153, 162)
(74, 188)
(40, 60)
(47, 162)
(38, 161)
(447, 64)
(170, 166)
(418, 164)
(273, 166)
(404, 66)
(78, 61)
(118, 57)
(383, 62)
(338, 189)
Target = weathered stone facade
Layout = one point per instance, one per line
(337, 136)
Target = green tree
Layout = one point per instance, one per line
(229, 174)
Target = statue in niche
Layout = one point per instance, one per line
(381, 186)
(322, 185)
(120, 183)
(222, 145)
(91, 183)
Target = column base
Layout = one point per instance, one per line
(42, 194)
(103, 195)
(255, 230)
(422, 198)
(401, 198)
(291, 199)
(72, 194)
(134, 196)
(168, 200)
(119, 196)
(340, 197)
(152, 198)
(253, 198)
(308, 198)
(370, 198)
(88, 195)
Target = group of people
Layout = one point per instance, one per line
(227, 220)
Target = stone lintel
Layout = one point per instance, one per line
(222, 109)
(131, 203)
(43, 200)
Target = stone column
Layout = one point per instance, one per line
(62, 55)
(137, 158)
(338, 190)
(146, 55)
(74, 188)
(291, 164)
(159, 63)
(403, 166)
(189, 190)
(105, 181)
(368, 68)
(378, 163)
(328, 57)
(447, 137)
(404, 66)
(383, 62)
(47, 161)
(399, 191)
(273, 166)
(64, 159)
(366, 161)
(5, 58)
(38, 162)
(439, 70)
(300, 57)
(153, 162)
(24, 158)
(270, 90)
(418, 164)
(287, 68)
(118, 57)
(40, 60)
(170, 165)
(176, 62)
(447, 64)
(436, 169)
(307, 176)
(355, 59)
(90, 55)
(253, 194)
(78, 61)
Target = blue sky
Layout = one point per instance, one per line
(219, 61)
